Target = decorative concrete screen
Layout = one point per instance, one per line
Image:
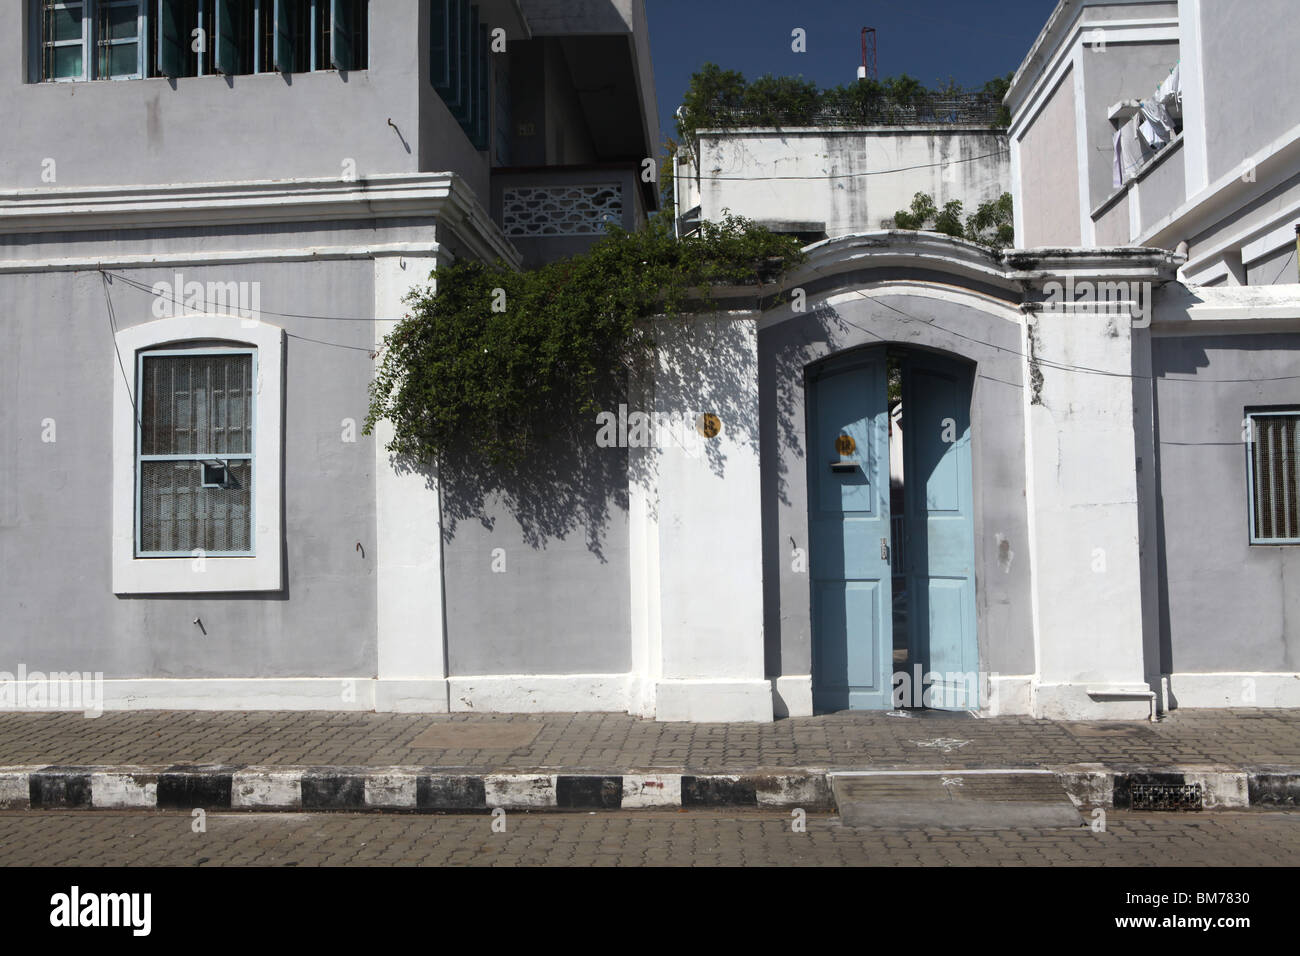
(576, 210)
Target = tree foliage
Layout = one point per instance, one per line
(494, 362)
(990, 225)
(724, 99)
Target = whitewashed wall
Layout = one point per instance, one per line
(852, 180)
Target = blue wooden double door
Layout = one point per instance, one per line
(892, 569)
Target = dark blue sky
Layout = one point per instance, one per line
(968, 40)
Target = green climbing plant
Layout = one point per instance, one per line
(491, 363)
(991, 224)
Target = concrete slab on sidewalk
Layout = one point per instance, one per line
(949, 799)
(461, 735)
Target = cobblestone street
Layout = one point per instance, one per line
(645, 838)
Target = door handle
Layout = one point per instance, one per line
(884, 549)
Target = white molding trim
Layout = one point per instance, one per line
(1234, 309)
(1279, 237)
(1077, 701)
(1274, 164)
(409, 696)
(539, 693)
(792, 696)
(1017, 205)
(959, 295)
(443, 197)
(1196, 154)
(1232, 689)
(212, 573)
(1087, 227)
(1046, 80)
(410, 622)
(713, 700)
(151, 260)
(219, 693)
(1254, 242)
(1009, 694)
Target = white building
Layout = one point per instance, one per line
(1100, 508)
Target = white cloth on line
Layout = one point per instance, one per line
(1133, 152)
(1157, 128)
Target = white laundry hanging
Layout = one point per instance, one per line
(1132, 152)
(1156, 126)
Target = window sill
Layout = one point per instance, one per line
(172, 79)
(1139, 174)
(193, 575)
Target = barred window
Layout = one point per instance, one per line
(195, 462)
(1274, 467)
(84, 39)
(129, 39)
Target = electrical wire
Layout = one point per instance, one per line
(137, 284)
(1066, 367)
(112, 325)
(372, 351)
(1286, 265)
(1046, 363)
(713, 177)
(991, 378)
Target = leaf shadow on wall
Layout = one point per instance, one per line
(575, 484)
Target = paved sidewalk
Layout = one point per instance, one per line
(645, 838)
(618, 743)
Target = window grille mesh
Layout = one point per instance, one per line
(197, 405)
(178, 514)
(1275, 476)
(561, 210)
(195, 408)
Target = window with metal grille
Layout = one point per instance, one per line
(81, 39)
(1274, 468)
(129, 39)
(194, 462)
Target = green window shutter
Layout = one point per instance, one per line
(463, 110)
(227, 39)
(283, 37)
(459, 51)
(173, 43)
(484, 98)
(343, 39)
(440, 43)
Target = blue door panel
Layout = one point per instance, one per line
(939, 527)
(849, 520)
(848, 462)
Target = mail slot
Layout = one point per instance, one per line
(845, 467)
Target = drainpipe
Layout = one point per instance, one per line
(1297, 248)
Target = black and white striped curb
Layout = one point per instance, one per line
(184, 787)
(395, 788)
(1185, 788)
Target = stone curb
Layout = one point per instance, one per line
(394, 788)
(417, 789)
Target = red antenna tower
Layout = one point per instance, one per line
(868, 67)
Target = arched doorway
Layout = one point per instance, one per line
(892, 568)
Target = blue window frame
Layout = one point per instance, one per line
(1273, 467)
(195, 467)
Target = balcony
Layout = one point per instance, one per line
(552, 212)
